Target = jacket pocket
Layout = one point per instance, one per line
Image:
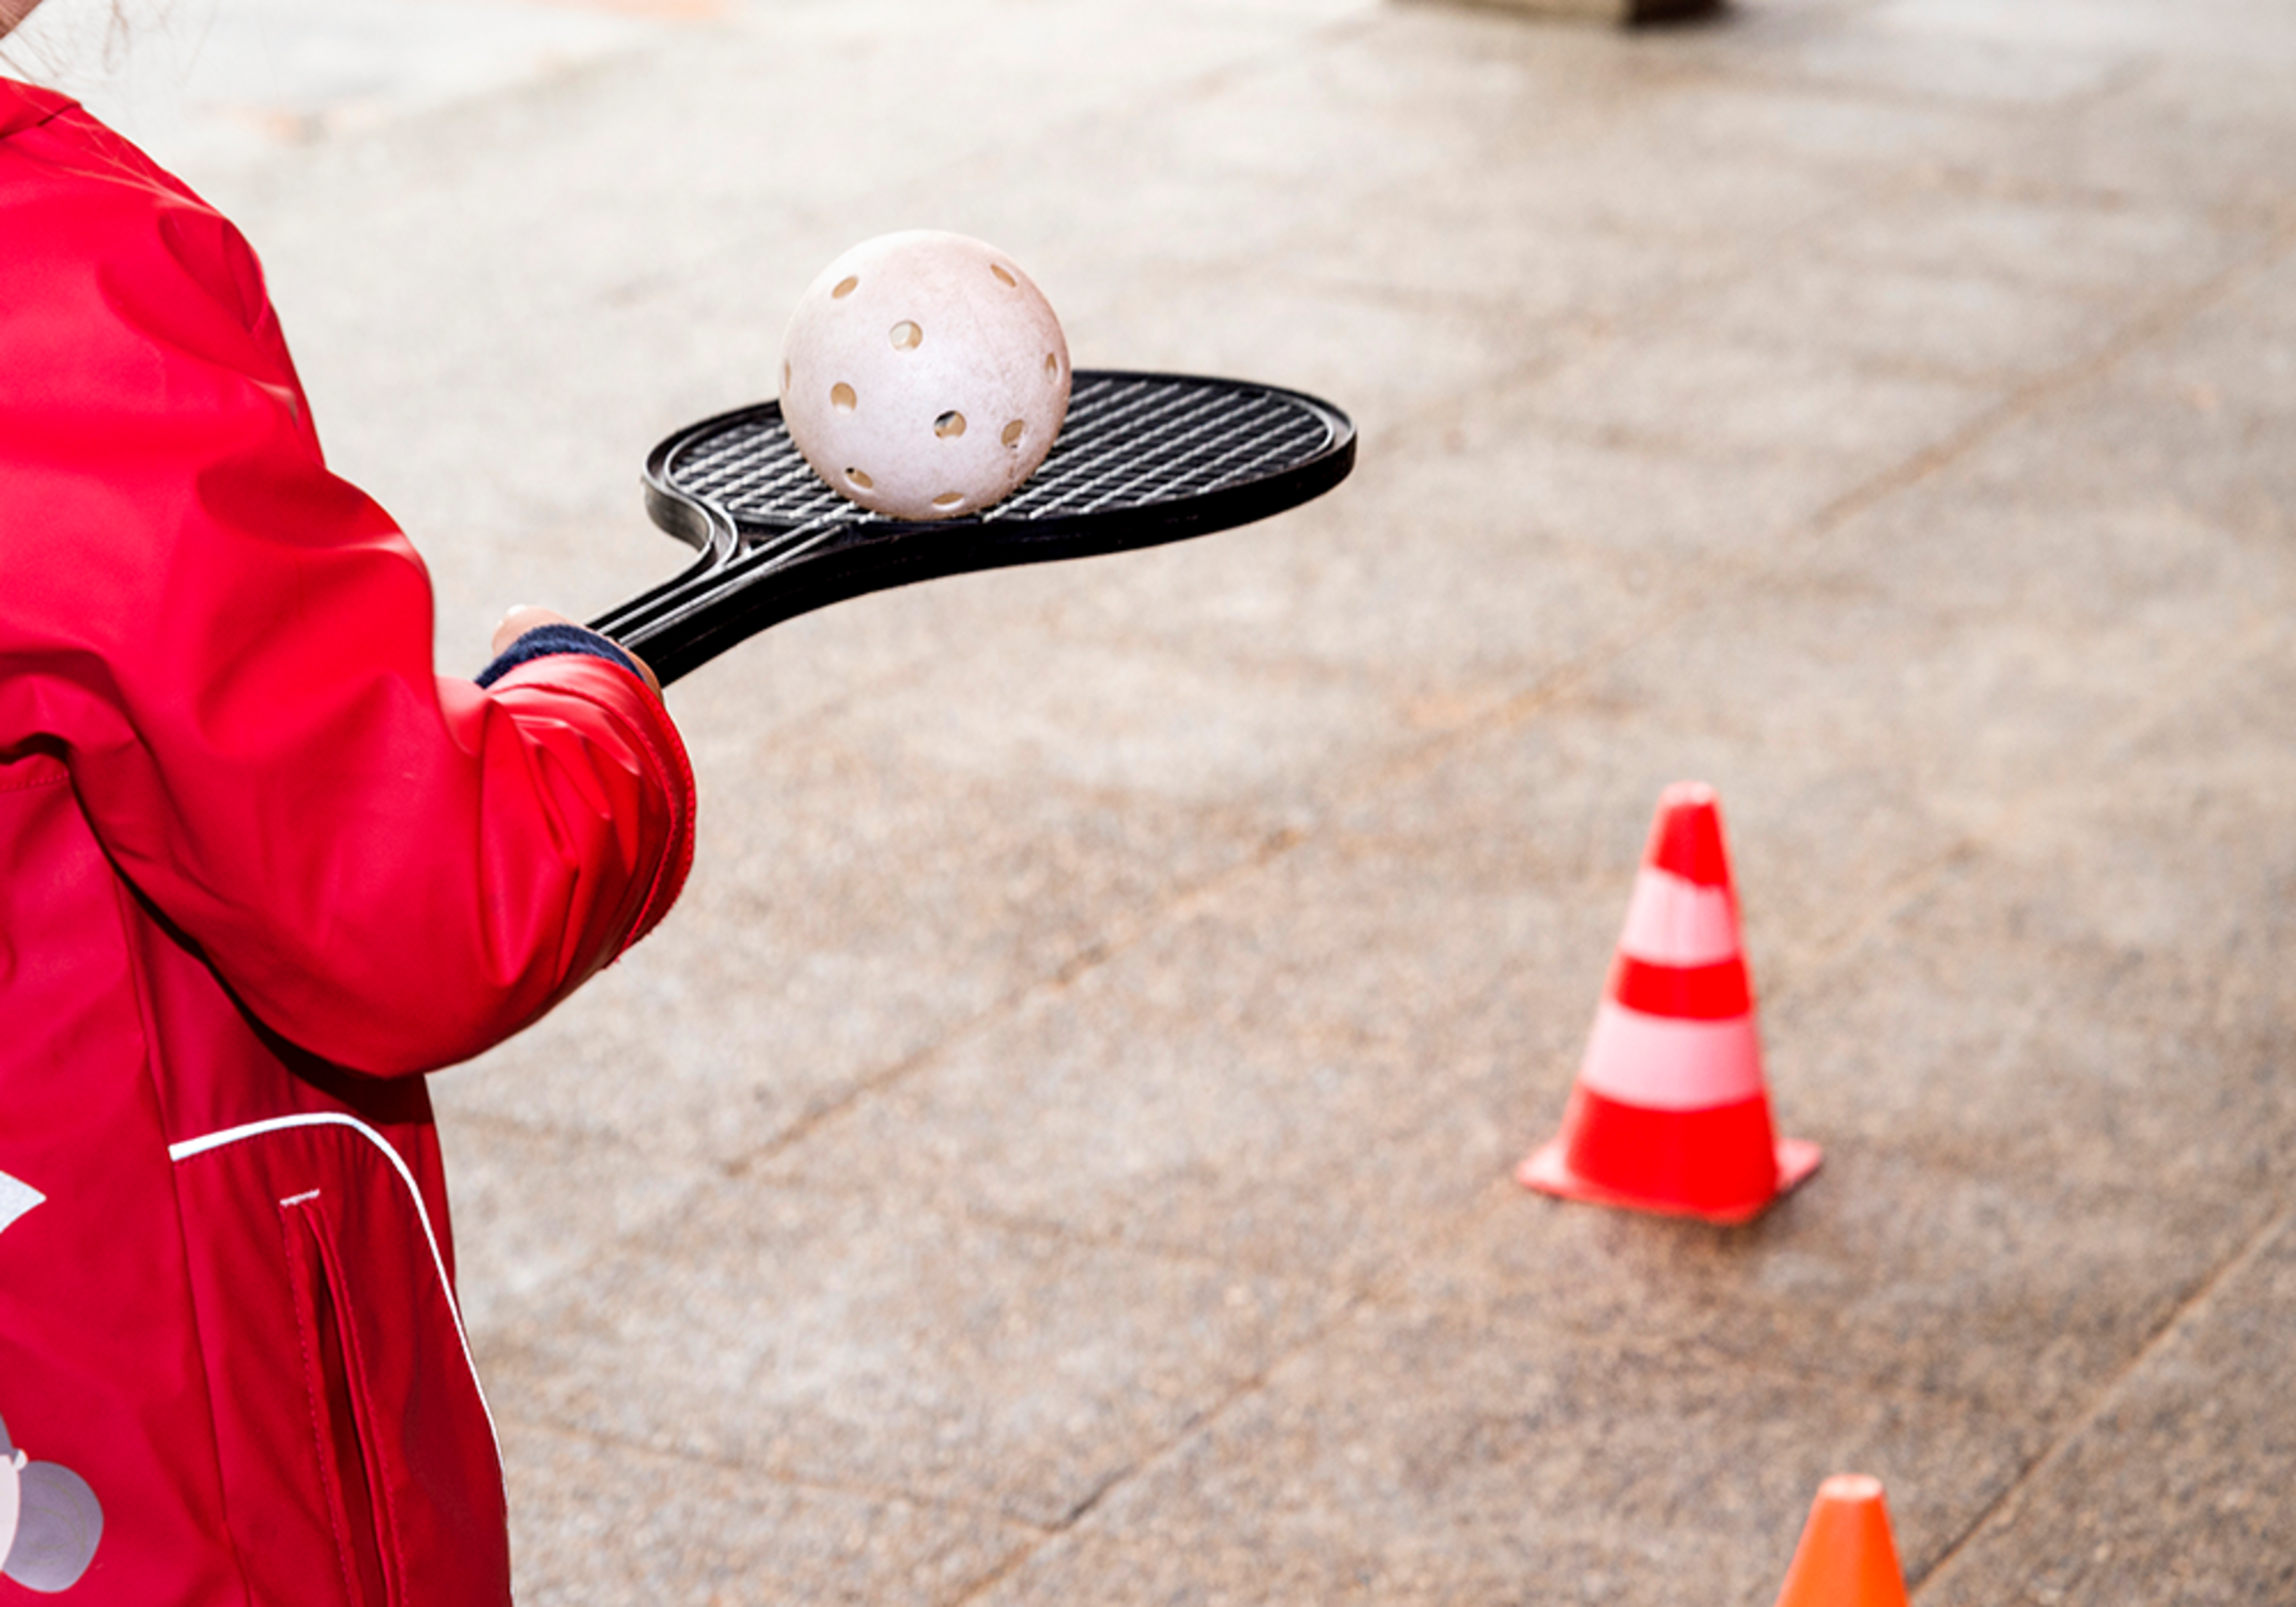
(344, 1426)
(359, 1465)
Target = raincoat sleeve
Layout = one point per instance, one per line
(232, 651)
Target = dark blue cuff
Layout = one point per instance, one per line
(546, 641)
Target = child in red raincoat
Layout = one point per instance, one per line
(259, 870)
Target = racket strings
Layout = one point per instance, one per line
(1154, 443)
(1126, 442)
(752, 471)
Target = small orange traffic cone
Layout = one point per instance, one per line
(1670, 1112)
(1846, 1557)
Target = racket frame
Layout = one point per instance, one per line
(753, 574)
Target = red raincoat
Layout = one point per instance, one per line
(258, 867)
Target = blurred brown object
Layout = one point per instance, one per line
(1626, 12)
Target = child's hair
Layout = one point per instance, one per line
(45, 57)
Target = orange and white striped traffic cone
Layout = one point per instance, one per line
(1670, 1112)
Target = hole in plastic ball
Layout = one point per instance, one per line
(1014, 432)
(1052, 366)
(859, 479)
(949, 426)
(948, 499)
(906, 336)
(785, 379)
(846, 287)
(1004, 276)
(842, 399)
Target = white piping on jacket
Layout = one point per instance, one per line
(191, 1147)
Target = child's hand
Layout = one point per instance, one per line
(526, 616)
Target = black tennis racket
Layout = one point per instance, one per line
(1142, 459)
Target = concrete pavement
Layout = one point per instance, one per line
(1058, 1150)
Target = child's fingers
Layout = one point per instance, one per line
(644, 668)
(523, 619)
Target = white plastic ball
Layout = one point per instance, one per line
(924, 375)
